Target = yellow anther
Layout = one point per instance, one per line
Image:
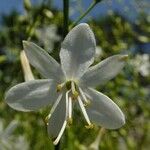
(47, 119)
(87, 103)
(75, 95)
(69, 121)
(124, 58)
(91, 126)
(59, 87)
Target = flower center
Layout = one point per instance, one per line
(72, 93)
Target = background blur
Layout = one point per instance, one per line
(120, 26)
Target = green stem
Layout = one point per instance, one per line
(31, 30)
(66, 17)
(57, 147)
(85, 13)
(34, 24)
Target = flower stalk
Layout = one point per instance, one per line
(93, 4)
(66, 17)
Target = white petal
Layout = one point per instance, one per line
(57, 119)
(10, 129)
(104, 111)
(31, 95)
(103, 71)
(43, 62)
(78, 50)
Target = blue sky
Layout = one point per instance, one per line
(125, 7)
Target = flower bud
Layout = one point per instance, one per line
(27, 5)
(48, 13)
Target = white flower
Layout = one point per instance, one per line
(142, 64)
(71, 83)
(48, 36)
(8, 140)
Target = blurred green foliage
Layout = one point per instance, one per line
(130, 90)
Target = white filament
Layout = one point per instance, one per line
(70, 108)
(67, 101)
(65, 121)
(60, 133)
(55, 105)
(83, 96)
(84, 111)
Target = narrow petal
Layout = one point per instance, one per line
(43, 62)
(31, 95)
(78, 50)
(103, 71)
(57, 119)
(103, 111)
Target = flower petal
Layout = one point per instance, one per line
(43, 62)
(57, 119)
(31, 95)
(104, 111)
(10, 129)
(103, 71)
(77, 52)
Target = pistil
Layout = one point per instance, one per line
(70, 111)
(75, 93)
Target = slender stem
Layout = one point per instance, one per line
(34, 24)
(85, 13)
(57, 147)
(66, 16)
(32, 29)
(96, 143)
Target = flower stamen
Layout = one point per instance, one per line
(60, 133)
(60, 87)
(90, 125)
(86, 101)
(53, 108)
(65, 121)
